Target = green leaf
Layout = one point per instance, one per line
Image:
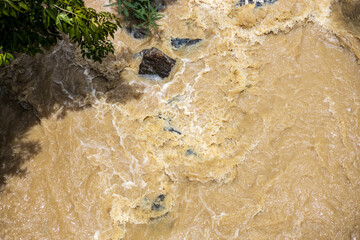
(126, 12)
(65, 27)
(47, 22)
(10, 56)
(79, 21)
(82, 16)
(50, 13)
(6, 12)
(64, 17)
(140, 25)
(71, 33)
(58, 23)
(77, 33)
(128, 4)
(93, 27)
(13, 13)
(24, 6)
(87, 36)
(10, 2)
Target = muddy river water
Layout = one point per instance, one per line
(254, 135)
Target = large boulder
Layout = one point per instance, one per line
(155, 62)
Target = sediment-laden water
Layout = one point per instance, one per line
(254, 135)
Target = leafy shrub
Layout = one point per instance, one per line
(29, 26)
(143, 11)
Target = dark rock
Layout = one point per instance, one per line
(190, 152)
(269, 1)
(155, 62)
(25, 105)
(350, 10)
(158, 203)
(258, 3)
(159, 5)
(241, 3)
(174, 99)
(138, 33)
(178, 42)
(171, 129)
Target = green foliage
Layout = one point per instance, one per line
(144, 11)
(29, 26)
(5, 57)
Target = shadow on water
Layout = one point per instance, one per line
(351, 10)
(14, 150)
(33, 88)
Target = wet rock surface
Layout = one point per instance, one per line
(155, 62)
(158, 203)
(171, 129)
(138, 33)
(190, 152)
(257, 3)
(159, 5)
(351, 10)
(179, 42)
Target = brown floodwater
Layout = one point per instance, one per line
(264, 142)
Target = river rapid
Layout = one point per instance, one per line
(264, 115)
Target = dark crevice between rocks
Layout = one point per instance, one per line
(155, 62)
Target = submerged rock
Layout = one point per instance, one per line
(258, 3)
(155, 62)
(190, 152)
(178, 42)
(158, 203)
(25, 105)
(350, 10)
(138, 33)
(171, 129)
(159, 5)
